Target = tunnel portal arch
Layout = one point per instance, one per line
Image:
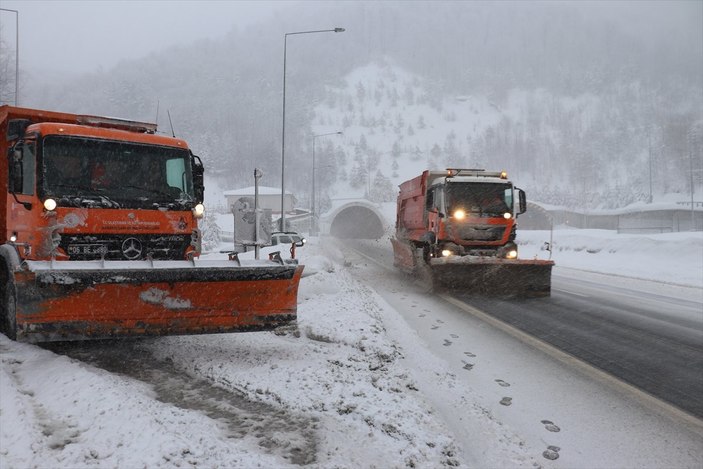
(359, 220)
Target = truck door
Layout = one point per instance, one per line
(434, 210)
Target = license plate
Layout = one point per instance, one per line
(87, 249)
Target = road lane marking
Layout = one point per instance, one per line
(571, 292)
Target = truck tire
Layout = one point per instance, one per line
(8, 295)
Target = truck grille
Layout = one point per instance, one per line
(480, 232)
(127, 247)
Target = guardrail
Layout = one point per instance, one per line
(646, 229)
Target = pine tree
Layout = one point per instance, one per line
(381, 189)
(210, 231)
(360, 92)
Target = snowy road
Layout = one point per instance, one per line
(522, 387)
(378, 374)
(231, 411)
(648, 334)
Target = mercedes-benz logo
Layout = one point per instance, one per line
(132, 248)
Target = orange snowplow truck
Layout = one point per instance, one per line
(457, 228)
(99, 237)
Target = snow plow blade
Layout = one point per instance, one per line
(488, 276)
(59, 301)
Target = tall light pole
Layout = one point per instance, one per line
(17, 53)
(283, 132)
(690, 162)
(313, 229)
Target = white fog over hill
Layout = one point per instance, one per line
(581, 102)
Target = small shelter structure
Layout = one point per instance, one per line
(269, 198)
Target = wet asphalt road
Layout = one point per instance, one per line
(650, 341)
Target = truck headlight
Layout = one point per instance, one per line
(199, 210)
(509, 251)
(50, 204)
(507, 215)
(459, 214)
(446, 253)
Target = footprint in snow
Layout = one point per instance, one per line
(469, 354)
(454, 336)
(506, 401)
(550, 426)
(422, 315)
(502, 383)
(447, 343)
(552, 452)
(440, 321)
(435, 327)
(467, 366)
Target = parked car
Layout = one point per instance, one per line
(287, 237)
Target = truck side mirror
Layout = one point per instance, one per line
(523, 201)
(198, 178)
(16, 128)
(15, 167)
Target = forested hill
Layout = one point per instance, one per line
(578, 97)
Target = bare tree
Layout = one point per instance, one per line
(7, 73)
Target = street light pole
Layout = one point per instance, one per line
(690, 161)
(313, 228)
(283, 131)
(17, 53)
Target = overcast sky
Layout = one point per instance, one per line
(82, 36)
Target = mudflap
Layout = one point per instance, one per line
(493, 277)
(77, 303)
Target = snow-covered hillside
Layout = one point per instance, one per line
(392, 126)
(396, 124)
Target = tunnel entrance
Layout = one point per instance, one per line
(357, 222)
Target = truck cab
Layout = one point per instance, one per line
(83, 187)
(473, 212)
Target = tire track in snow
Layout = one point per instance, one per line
(277, 432)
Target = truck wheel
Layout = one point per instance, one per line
(8, 302)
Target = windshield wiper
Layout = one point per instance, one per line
(68, 186)
(153, 191)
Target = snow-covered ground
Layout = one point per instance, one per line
(355, 386)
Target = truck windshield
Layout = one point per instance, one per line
(488, 199)
(119, 171)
